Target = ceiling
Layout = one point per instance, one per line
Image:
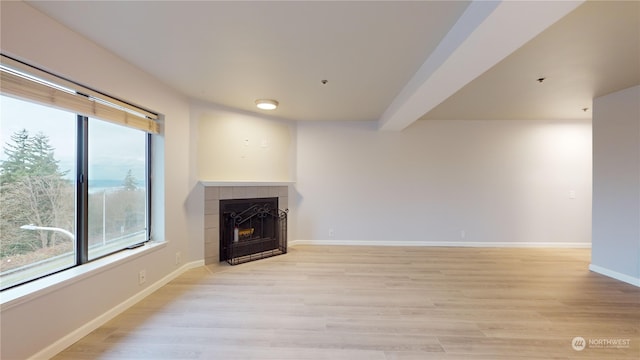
(393, 62)
(593, 51)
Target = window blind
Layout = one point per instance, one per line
(26, 82)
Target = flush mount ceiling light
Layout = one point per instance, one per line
(266, 104)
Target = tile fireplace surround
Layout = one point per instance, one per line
(215, 191)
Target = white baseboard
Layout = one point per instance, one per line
(66, 341)
(615, 275)
(442, 243)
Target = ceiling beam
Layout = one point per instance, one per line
(486, 33)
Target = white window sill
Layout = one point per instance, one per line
(26, 292)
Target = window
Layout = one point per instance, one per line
(37, 167)
(74, 174)
(117, 202)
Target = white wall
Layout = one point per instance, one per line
(233, 146)
(498, 181)
(38, 322)
(616, 185)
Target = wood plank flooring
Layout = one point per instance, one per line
(380, 303)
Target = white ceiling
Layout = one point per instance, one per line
(593, 51)
(393, 62)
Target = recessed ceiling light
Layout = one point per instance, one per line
(266, 104)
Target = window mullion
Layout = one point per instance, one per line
(82, 192)
(148, 176)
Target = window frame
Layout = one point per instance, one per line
(83, 177)
(81, 241)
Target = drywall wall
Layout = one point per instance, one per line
(233, 146)
(36, 323)
(524, 183)
(616, 185)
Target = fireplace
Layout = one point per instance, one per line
(216, 191)
(251, 229)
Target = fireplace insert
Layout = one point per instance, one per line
(251, 229)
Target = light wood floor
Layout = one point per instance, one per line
(383, 303)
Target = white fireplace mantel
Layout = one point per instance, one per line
(246, 183)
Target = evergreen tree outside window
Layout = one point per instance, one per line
(117, 199)
(35, 189)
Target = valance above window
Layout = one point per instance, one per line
(26, 82)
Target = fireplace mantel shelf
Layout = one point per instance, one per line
(246, 183)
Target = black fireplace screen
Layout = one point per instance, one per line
(251, 229)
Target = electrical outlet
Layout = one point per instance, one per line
(178, 258)
(142, 277)
(463, 234)
(331, 233)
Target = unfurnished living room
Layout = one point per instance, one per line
(380, 180)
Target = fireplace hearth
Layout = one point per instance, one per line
(251, 229)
